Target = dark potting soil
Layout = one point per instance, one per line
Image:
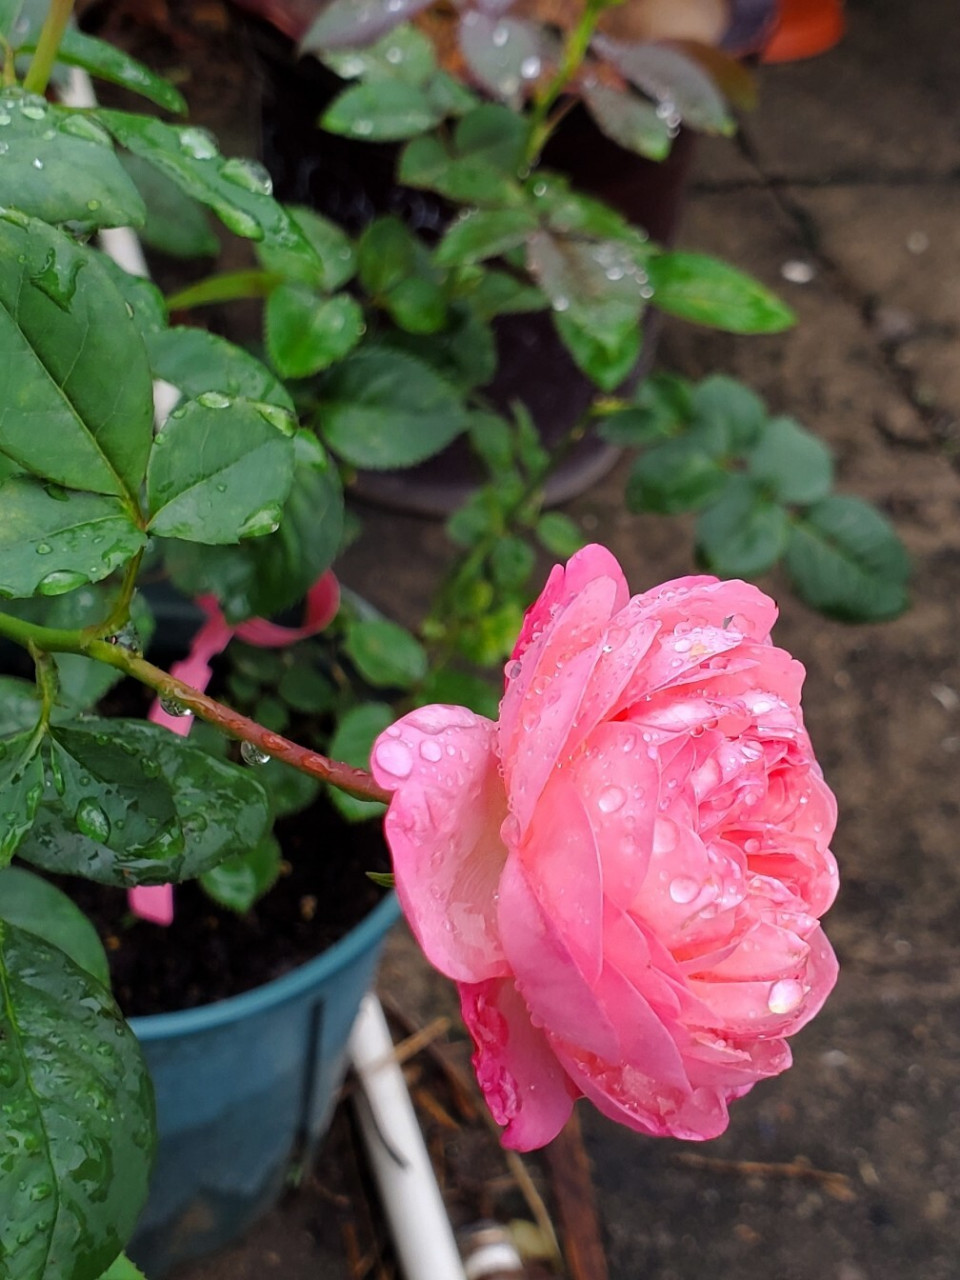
(209, 952)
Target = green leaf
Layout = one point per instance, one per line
(571, 213)
(19, 707)
(846, 560)
(796, 466)
(402, 54)
(600, 286)
(463, 353)
(344, 23)
(306, 333)
(677, 475)
(263, 576)
(479, 234)
(502, 54)
(84, 681)
(743, 533)
(21, 785)
(387, 254)
(334, 260)
(107, 62)
(727, 404)
(79, 1122)
(220, 470)
(240, 880)
(237, 190)
(697, 287)
(52, 542)
(126, 802)
(196, 361)
(461, 689)
(65, 332)
(386, 654)
(512, 561)
(39, 907)
(495, 293)
(381, 409)
(672, 79)
(629, 121)
(559, 535)
(495, 135)
(61, 167)
(417, 305)
(122, 1269)
(482, 165)
(387, 111)
(175, 224)
(608, 360)
(385, 879)
(306, 689)
(141, 297)
(352, 743)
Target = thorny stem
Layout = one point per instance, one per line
(41, 65)
(47, 640)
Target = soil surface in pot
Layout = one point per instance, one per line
(209, 952)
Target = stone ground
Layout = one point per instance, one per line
(851, 166)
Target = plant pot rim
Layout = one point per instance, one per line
(206, 1017)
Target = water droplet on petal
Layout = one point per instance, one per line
(431, 750)
(610, 800)
(394, 757)
(785, 996)
(684, 889)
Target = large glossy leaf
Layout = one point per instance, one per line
(65, 331)
(481, 233)
(846, 560)
(237, 190)
(403, 54)
(61, 167)
(78, 1116)
(697, 287)
(196, 361)
(107, 62)
(52, 542)
(263, 576)
(39, 907)
(601, 286)
(220, 470)
(126, 802)
(334, 260)
(381, 409)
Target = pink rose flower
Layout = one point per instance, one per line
(625, 875)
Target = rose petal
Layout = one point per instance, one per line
(566, 581)
(443, 829)
(524, 1085)
(547, 975)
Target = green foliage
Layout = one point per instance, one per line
(238, 881)
(79, 1157)
(39, 907)
(762, 487)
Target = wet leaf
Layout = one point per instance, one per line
(126, 802)
(37, 906)
(357, 22)
(403, 54)
(263, 576)
(630, 121)
(683, 90)
(220, 470)
(21, 786)
(388, 111)
(334, 260)
(58, 166)
(107, 62)
(607, 359)
(196, 361)
(51, 543)
(480, 234)
(504, 55)
(65, 330)
(175, 224)
(79, 1122)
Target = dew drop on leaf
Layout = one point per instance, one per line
(91, 820)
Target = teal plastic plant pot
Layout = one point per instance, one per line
(243, 1086)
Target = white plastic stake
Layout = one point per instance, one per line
(408, 1185)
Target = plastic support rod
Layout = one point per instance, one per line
(408, 1186)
